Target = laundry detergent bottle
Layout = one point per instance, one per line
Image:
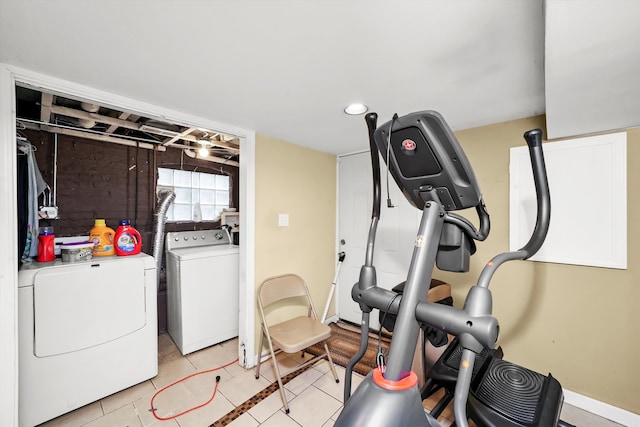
(127, 240)
(46, 248)
(102, 238)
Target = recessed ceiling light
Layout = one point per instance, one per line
(355, 109)
(203, 151)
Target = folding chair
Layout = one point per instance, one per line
(295, 334)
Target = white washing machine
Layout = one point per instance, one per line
(202, 288)
(86, 330)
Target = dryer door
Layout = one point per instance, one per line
(84, 305)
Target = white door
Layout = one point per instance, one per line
(396, 234)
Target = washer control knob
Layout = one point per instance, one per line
(202, 237)
(195, 237)
(177, 239)
(218, 236)
(186, 238)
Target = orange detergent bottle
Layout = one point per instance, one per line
(128, 239)
(102, 238)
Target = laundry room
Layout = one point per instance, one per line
(99, 191)
(98, 162)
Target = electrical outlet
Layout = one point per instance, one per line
(283, 220)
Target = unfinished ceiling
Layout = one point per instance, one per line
(47, 112)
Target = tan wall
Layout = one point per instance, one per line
(301, 182)
(579, 323)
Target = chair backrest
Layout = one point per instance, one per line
(277, 288)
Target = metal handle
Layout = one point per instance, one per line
(534, 141)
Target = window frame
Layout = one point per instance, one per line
(189, 188)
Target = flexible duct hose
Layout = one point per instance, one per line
(165, 197)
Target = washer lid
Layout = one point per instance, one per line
(204, 252)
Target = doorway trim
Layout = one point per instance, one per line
(10, 76)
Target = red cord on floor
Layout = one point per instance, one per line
(215, 389)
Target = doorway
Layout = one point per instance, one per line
(10, 77)
(395, 236)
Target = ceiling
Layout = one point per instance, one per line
(592, 64)
(41, 110)
(286, 69)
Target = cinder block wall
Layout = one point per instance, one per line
(111, 181)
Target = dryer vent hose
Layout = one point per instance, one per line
(165, 198)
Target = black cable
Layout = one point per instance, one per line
(393, 119)
(380, 356)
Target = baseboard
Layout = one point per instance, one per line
(264, 356)
(331, 319)
(610, 412)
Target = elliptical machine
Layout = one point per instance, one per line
(431, 169)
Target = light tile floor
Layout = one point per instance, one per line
(314, 397)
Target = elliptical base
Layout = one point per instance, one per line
(375, 406)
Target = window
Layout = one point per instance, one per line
(199, 196)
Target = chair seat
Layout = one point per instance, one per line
(298, 333)
(293, 335)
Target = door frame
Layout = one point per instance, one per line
(10, 76)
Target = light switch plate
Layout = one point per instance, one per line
(283, 220)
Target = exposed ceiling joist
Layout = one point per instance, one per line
(180, 135)
(123, 116)
(214, 159)
(85, 115)
(57, 114)
(45, 106)
(95, 137)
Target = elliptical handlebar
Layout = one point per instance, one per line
(534, 141)
(372, 121)
(367, 279)
(466, 225)
(543, 197)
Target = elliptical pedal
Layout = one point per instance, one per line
(506, 394)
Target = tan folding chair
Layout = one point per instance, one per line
(295, 334)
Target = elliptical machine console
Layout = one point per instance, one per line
(422, 152)
(433, 172)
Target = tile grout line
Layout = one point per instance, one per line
(257, 398)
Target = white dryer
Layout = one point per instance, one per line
(86, 330)
(202, 288)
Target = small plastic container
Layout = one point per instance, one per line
(75, 252)
(46, 245)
